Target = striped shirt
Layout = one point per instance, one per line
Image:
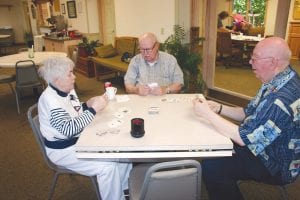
(61, 115)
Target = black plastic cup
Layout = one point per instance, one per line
(137, 127)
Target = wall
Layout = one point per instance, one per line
(87, 16)
(270, 17)
(8, 18)
(134, 17)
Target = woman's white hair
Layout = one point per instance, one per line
(55, 68)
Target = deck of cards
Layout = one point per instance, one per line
(153, 110)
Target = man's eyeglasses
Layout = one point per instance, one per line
(254, 60)
(148, 50)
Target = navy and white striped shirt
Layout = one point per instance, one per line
(61, 115)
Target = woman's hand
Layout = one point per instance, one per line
(98, 103)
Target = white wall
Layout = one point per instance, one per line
(271, 17)
(135, 17)
(87, 16)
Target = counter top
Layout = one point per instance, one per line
(60, 38)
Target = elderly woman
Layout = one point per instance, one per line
(62, 118)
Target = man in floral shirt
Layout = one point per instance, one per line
(267, 141)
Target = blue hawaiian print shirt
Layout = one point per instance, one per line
(271, 129)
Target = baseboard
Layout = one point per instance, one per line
(227, 97)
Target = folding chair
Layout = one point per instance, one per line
(26, 77)
(174, 180)
(33, 119)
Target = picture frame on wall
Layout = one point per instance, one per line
(71, 5)
(63, 8)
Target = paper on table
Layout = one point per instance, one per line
(122, 98)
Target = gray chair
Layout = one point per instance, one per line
(33, 119)
(174, 180)
(24, 49)
(26, 77)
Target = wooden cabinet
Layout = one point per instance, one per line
(294, 39)
(85, 66)
(59, 45)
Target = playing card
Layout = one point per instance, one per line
(152, 85)
(118, 115)
(153, 110)
(115, 123)
(122, 98)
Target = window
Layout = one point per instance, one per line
(253, 10)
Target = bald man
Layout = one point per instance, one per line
(153, 72)
(267, 140)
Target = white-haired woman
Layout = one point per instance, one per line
(63, 117)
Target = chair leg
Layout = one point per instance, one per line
(12, 88)
(17, 100)
(96, 186)
(53, 185)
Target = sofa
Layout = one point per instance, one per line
(108, 58)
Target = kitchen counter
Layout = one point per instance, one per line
(59, 44)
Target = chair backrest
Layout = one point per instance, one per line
(26, 74)
(32, 115)
(224, 42)
(22, 50)
(173, 180)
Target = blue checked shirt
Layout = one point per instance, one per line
(165, 71)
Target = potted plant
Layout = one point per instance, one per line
(86, 47)
(28, 38)
(187, 59)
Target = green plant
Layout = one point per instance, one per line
(88, 46)
(187, 57)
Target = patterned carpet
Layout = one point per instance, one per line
(24, 174)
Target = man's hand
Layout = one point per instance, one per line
(143, 90)
(201, 107)
(158, 91)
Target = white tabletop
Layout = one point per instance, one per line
(172, 133)
(246, 38)
(39, 57)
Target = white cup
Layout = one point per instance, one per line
(111, 92)
(259, 36)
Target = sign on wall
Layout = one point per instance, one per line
(71, 9)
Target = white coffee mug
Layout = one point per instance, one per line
(111, 92)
